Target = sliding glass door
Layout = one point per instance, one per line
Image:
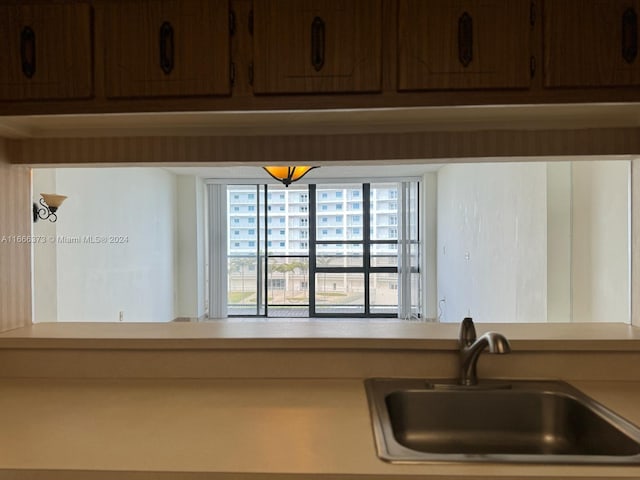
(329, 250)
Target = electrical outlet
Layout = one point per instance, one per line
(121, 316)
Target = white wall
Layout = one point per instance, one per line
(559, 206)
(429, 194)
(97, 281)
(600, 241)
(191, 247)
(492, 242)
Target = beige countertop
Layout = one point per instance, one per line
(121, 428)
(383, 334)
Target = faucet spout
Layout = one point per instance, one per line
(471, 348)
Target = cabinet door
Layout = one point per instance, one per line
(158, 48)
(45, 51)
(591, 43)
(309, 46)
(464, 44)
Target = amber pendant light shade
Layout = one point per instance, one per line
(288, 175)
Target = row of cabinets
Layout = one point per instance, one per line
(161, 48)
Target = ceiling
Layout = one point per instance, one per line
(330, 172)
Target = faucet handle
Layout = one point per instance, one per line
(467, 332)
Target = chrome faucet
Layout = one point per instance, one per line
(471, 348)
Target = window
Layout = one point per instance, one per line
(317, 267)
(276, 283)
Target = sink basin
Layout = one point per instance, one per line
(418, 421)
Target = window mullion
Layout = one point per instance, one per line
(366, 244)
(312, 249)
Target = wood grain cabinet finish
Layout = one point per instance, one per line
(317, 46)
(46, 51)
(164, 48)
(464, 44)
(591, 43)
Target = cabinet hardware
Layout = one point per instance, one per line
(629, 35)
(232, 22)
(250, 73)
(232, 73)
(532, 13)
(166, 48)
(28, 51)
(465, 39)
(317, 43)
(532, 66)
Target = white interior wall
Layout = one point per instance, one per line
(559, 205)
(116, 245)
(191, 261)
(600, 241)
(429, 193)
(492, 242)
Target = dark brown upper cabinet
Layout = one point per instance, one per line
(591, 43)
(464, 44)
(317, 46)
(163, 48)
(46, 51)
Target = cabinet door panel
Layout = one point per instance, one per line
(55, 42)
(589, 43)
(167, 48)
(315, 46)
(463, 44)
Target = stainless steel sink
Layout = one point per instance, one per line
(418, 421)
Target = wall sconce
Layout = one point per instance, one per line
(288, 175)
(50, 203)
